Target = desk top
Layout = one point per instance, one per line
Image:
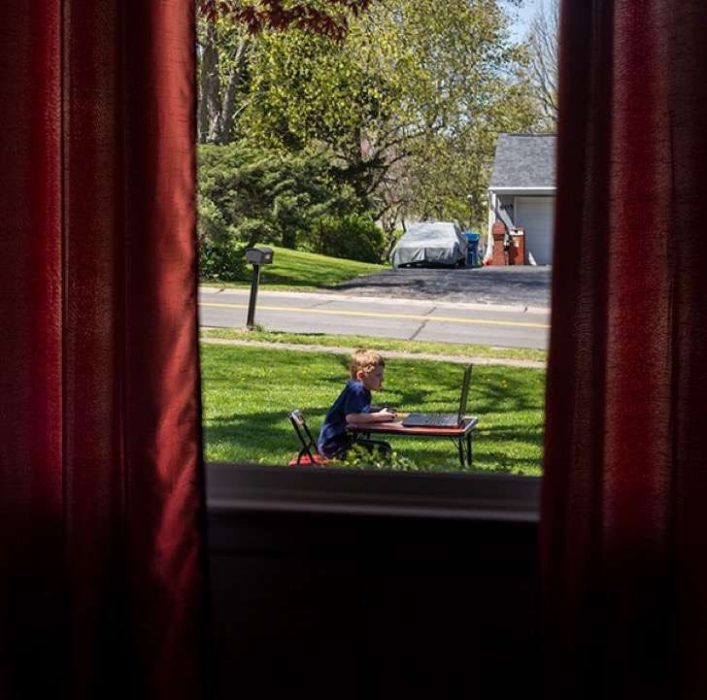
(397, 428)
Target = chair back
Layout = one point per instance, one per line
(307, 441)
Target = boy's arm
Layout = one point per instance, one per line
(357, 408)
(382, 416)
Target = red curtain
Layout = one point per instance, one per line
(624, 505)
(101, 475)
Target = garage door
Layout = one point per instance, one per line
(537, 216)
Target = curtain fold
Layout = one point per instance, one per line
(624, 509)
(101, 475)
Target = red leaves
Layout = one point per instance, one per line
(280, 14)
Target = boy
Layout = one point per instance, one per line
(354, 406)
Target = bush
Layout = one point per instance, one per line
(353, 236)
(221, 255)
(359, 457)
(249, 194)
(224, 262)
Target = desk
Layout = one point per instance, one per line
(460, 435)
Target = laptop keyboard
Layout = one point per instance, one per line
(436, 420)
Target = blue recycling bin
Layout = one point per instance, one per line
(472, 254)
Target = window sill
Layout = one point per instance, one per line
(248, 487)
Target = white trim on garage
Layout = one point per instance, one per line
(525, 190)
(536, 215)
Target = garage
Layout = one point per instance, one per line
(522, 196)
(537, 216)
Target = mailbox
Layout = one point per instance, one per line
(259, 255)
(256, 256)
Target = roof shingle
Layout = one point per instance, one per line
(524, 160)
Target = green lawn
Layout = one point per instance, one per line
(248, 392)
(415, 347)
(294, 269)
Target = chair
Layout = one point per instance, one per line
(308, 453)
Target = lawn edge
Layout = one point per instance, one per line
(393, 354)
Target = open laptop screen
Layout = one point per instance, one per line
(444, 419)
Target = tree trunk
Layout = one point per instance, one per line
(289, 238)
(209, 115)
(237, 81)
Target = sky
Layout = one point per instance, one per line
(523, 16)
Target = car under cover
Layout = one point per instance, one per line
(430, 243)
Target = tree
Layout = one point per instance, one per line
(409, 102)
(224, 48)
(461, 83)
(249, 195)
(542, 43)
(324, 17)
(225, 29)
(310, 93)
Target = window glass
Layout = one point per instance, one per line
(377, 180)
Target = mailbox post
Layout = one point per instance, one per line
(257, 256)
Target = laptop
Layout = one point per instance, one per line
(442, 420)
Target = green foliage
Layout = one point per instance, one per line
(410, 102)
(354, 237)
(248, 392)
(454, 74)
(395, 119)
(385, 345)
(220, 254)
(359, 457)
(225, 36)
(249, 195)
(306, 88)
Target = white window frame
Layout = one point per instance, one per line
(257, 488)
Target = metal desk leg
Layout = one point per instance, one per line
(355, 436)
(469, 452)
(462, 456)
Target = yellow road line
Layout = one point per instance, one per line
(373, 314)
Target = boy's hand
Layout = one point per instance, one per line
(387, 413)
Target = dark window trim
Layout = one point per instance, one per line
(247, 487)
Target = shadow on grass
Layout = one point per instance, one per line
(255, 427)
(256, 435)
(268, 436)
(493, 390)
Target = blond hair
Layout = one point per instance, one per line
(365, 361)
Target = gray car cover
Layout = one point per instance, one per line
(439, 243)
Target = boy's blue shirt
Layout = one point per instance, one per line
(355, 398)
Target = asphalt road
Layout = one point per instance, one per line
(405, 309)
(526, 286)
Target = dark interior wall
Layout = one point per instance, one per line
(337, 605)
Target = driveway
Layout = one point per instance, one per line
(526, 286)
